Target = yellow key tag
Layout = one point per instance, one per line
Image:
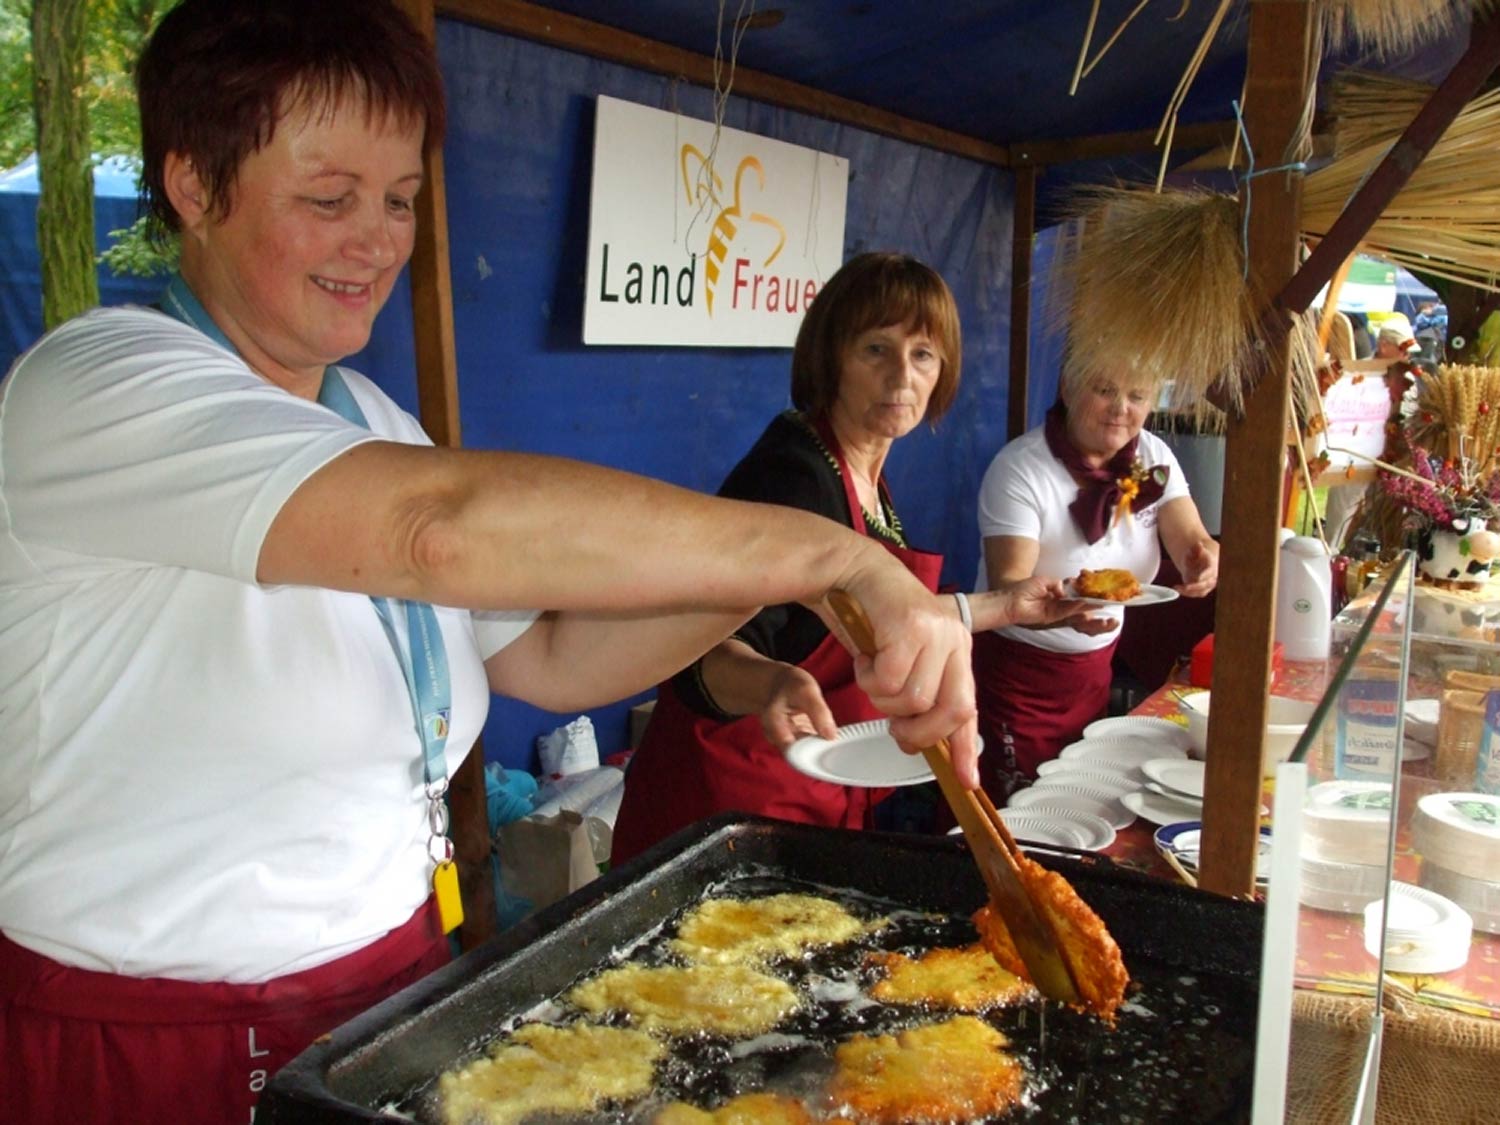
(450, 903)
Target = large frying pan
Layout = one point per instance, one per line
(1183, 1050)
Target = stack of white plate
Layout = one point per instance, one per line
(1123, 753)
(1164, 733)
(1069, 829)
(1458, 837)
(1093, 791)
(1426, 933)
(1346, 831)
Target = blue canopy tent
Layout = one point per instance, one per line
(20, 262)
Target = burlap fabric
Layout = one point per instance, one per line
(1435, 1066)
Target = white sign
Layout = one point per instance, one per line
(704, 237)
(1356, 408)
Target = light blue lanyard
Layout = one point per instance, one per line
(426, 671)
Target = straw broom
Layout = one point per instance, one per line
(1154, 283)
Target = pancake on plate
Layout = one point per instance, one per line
(968, 979)
(747, 1109)
(747, 930)
(1087, 948)
(541, 1068)
(954, 1071)
(1113, 584)
(733, 1000)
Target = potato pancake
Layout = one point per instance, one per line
(1087, 948)
(735, 930)
(967, 979)
(747, 1109)
(1114, 584)
(555, 1069)
(953, 1071)
(733, 1000)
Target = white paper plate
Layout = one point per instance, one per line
(1163, 732)
(1103, 803)
(1066, 829)
(1073, 774)
(1149, 595)
(1159, 808)
(1126, 770)
(862, 754)
(1185, 777)
(1119, 750)
(1182, 841)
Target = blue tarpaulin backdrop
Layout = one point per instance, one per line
(518, 171)
(20, 267)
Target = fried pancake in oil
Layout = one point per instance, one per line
(1086, 946)
(1113, 584)
(953, 1071)
(967, 979)
(747, 1109)
(733, 1000)
(542, 1068)
(736, 930)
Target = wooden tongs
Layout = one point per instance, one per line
(990, 842)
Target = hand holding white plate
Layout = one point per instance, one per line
(861, 754)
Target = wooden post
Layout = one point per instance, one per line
(1022, 238)
(437, 402)
(1279, 73)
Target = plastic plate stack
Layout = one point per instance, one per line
(1346, 827)
(1427, 933)
(1458, 837)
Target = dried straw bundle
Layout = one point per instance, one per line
(1446, 220)
(1460, 408)
(1154, 283)
(1389, 27)
(1366, 108)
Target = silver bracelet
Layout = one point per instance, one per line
(963, 611)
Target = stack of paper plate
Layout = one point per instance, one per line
(1059, 827)
(1425, 932)
(1075, 798)
(1346, 888)
(1122, 753)
(1480, 897)
(1180, 777)
(1460, 832)
(1162, 732)
(1347, 823)
(1458, 837)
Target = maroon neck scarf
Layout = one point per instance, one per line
(1099, 494)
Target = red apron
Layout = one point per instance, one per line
(1032, 703)
(689, 766)
(77, 1045)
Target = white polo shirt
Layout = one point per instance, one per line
(200, 777)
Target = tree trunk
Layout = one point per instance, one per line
(65, 207)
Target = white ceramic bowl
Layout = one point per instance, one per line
(1286, 719)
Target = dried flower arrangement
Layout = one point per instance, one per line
(1451, 474)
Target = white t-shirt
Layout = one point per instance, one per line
(200, 778)
(1026, 492)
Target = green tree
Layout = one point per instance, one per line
(65, 208)
(99, 117)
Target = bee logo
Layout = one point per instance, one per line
(704, 188)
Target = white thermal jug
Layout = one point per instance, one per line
(1304, 599)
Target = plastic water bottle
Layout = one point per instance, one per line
(1304, 599)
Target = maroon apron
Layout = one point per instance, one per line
(689, 766)
(77, 1045)
(1032, 703)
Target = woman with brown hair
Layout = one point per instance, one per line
(878, 353)
(253, 618)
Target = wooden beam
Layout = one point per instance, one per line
(1023, 236)
(1103, 146)
(558, 29)
(437, 402)
(1280, 71)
